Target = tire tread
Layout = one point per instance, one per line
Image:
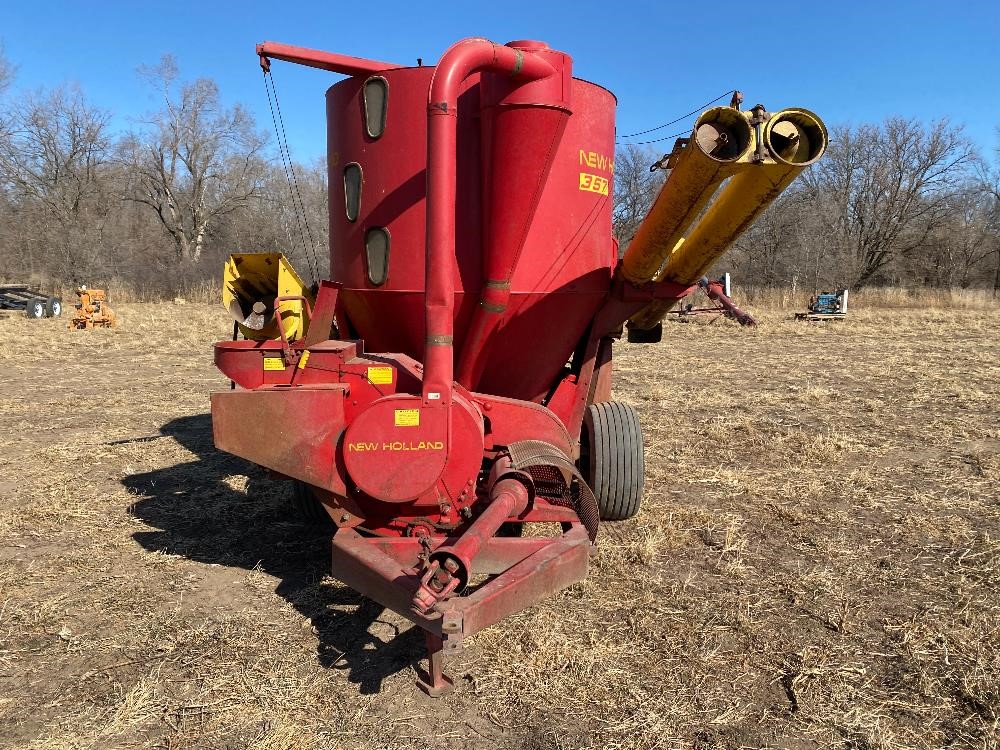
(616, 464)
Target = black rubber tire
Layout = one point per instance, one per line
(35, 309)
(307, 507)
(612, 458)
(53, 307)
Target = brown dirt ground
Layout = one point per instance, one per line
(817, 563)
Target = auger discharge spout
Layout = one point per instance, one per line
(720, 144)
(792, 139)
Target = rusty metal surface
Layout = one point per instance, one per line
(449, 568)
(366, 569)
(322, 316)
(716, 292)
(434, 681)
(495, 556)
(535, 453)
(361, 563)
(273, 428)
(558, 565)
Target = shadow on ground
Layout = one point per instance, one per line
(202, 514)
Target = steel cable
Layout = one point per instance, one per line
(288, 179)
(673, 122)
(298, 205)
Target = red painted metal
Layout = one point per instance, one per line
(495, 555)
(457, 64)
(322, 317)
(563, 273)
(717, 293)
(398, 451)
(522, 125)
(314, 58)
(306, 452)
(559, 564)
(449, 568)
(435, 683)
(364, 566)
(491, 179)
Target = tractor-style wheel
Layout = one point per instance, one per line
(53, 307)
(35, 309)
(308, 508)
(611, 458)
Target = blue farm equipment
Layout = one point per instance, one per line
(826, 306)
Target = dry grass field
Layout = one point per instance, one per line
(817, 562)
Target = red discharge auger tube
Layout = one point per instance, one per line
(458, 63)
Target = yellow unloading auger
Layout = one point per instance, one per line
(265, 296)
(756, 154)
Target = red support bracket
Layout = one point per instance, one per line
(387, 571)
(307, 309)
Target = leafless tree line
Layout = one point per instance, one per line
(157, 207)
(900, 203)
(154, 208)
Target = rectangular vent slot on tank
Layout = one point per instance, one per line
(376, 95)
(352, 190)
(377, 254)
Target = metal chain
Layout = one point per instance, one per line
(298, 205)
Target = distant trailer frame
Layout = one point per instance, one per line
(33, 303)
(820, 316)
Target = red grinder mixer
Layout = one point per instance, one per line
(452, 383)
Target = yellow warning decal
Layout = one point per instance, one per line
(593, 183)
(303, 359)
(407, 417)
(380, 376)
(274, 363)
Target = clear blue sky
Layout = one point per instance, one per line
(848, 61)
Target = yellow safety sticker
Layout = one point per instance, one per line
(593, 183)
(303, 359)
(274, 363)
(380, 376)
(407, 417)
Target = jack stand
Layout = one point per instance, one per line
(434, 682)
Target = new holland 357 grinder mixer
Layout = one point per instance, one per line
(452, 382)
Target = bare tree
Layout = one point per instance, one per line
(54, 166)
(7, 70)
(969, 237)
(635, 189)
(890, 185)
(989, 183)
(197, 162)
(56, 149)
(275, 224)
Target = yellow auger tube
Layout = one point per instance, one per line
(722, 142)
(794, 138)
(251, 282)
